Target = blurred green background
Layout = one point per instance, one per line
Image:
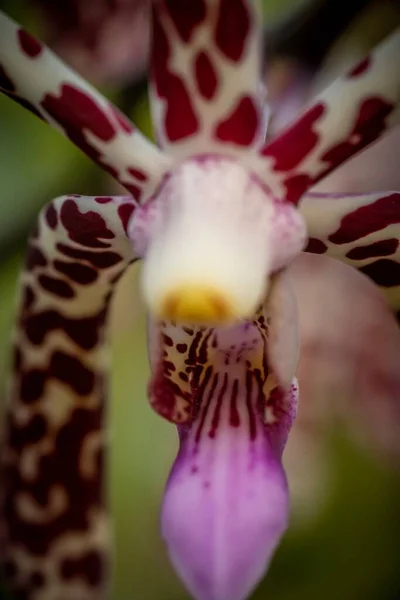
(348, 548)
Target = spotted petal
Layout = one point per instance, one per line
(54, 513)
(226, 502)
(362, 230)
(34, 77)
(206, 73)
(350, 114)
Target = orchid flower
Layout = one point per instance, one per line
(216, 215)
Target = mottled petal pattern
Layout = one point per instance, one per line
(54, 513)
(33, 76)
(351, 113)
(206, 69)
(362, 230)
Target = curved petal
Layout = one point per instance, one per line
(350, 114)
(206, 72)
(54, 513)
(33, 76)
(362, 230)
(226, 502)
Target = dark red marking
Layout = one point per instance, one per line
(35, 258)
(51, 216)
(29, 45)
(83, 331)
(234, 418)
(381, 248)
(125, 212)
(206, 77)
(76, 272)
(103, 199)
(138, 174)
(32, 385)
(291, 147)
(316, 246)
(101, 260)
(368, 219)
(75, 111)
(60, 467)
(56, 286)
(296, 186)
(182, 348)
(84, 227)
(90, 566)
(28, 298)
(360, 68)
(383, 272)
(370, 124)
(233, 28)
(72, 372)
(241, 126)
(186, 16)
(180, 119)
(30, 433)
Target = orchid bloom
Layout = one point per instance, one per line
(216, 215)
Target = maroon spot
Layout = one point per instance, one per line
(29, 45)
(55, 286)
(76, 272)
(206, 76)
(233, 28)
(28, 298)
(316, 246)
(90, 567)
(85, 331)
(383, 272)
(360, 68)
(32, 385)
(290, 148)
(138, 174)
(368, 219)
(180, 118)
(5, 82)
(35, 258)
(75, 110)
(241, 126)
(72, 372)
(381, 248)
(183, 377)
(167, 340)
(103, 199)
(186, 16)
(30, 433)
(182, 348)
(51, 216)
(369, 125)
(296, 186)
(17, 359)
(84, 227)
(125, 212)
(101, 260)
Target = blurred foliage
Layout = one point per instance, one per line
(349, 551)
